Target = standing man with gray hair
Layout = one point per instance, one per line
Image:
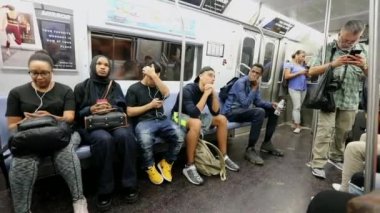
(348, 68)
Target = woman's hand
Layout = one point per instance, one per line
(100, 108)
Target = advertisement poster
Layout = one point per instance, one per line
(144, 14)
(57, 35)
(26, 27)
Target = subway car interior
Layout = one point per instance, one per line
(276, 53)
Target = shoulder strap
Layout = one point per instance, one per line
(333, 50)
(222, 172)
(108, 89)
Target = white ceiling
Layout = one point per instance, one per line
(312, 12)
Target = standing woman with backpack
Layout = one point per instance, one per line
(296, 74)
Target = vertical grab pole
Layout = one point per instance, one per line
(373, 98)
(326, 32)
(183, 52)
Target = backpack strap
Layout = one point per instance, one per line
(222, 173)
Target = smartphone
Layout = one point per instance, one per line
(163, 98)
(354, 52)
(102, 101)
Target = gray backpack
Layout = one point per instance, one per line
(205, 161)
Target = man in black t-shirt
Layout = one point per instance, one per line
(145, 109)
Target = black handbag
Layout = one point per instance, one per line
(322, 98)
(107, 121)
(42, 136)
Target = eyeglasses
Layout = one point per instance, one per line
(36, 74)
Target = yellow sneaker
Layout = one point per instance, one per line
(165, 169)
(154, 176)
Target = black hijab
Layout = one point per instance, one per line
(96, 86)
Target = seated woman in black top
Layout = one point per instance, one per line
(88, 96)
(43, 97)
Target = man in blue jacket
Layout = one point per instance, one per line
(244, 104)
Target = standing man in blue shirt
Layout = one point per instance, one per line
(244, 104)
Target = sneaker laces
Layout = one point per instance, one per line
(193, 172)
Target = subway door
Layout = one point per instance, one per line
(248, 52)
(268, 58)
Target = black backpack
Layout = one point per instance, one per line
(223, 94)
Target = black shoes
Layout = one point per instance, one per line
(104, 202)
(131, 195)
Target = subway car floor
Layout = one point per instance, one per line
(283, 185)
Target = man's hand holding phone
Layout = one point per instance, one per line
(156, 103)
(355, 58)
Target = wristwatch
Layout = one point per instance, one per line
(365, 66)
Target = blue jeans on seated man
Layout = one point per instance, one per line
(103, 145)
(256, 116)
(147, 130)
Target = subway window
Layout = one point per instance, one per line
(268, 62)
(247, 55)
(129, 55)
(119, 50)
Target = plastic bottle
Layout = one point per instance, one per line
(280, 107)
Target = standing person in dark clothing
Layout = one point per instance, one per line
(244, 104)
(195, 98)
(104, 142)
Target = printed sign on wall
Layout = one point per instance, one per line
(26, 27)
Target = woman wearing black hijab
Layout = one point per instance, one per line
(89, 100)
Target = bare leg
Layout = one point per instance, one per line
(221, 133)
(192, 136)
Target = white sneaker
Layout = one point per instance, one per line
(317, 172)
(192, 175)
(336, 186)
(80, 206)
(297, 130)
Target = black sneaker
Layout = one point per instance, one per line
(104, 202)
(131, 195)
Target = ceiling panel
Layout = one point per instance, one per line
(312, 12)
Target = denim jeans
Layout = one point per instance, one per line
(103, 146)
(256, 117)
(147, 130)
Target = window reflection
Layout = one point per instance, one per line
(130, 55)
(247, 55)
(268, 62)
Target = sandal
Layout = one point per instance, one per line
(270, 149)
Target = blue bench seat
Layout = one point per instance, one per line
(83, 151)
